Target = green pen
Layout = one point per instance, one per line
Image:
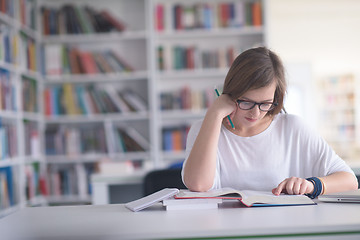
(228, 116)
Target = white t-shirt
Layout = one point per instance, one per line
(287, 148)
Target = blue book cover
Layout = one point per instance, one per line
(167, 140)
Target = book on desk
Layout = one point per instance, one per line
(210, 199)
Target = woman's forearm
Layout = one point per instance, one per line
(199, 170)
(339, 182)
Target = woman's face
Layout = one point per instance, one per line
(252, 118)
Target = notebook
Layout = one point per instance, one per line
(348, 197)
(151, 199)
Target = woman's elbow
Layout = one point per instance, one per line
(355, 184)
(196, 185)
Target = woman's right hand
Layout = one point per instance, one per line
(224, 106)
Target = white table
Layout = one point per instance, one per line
(322, 221)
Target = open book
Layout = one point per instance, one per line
(248, 198)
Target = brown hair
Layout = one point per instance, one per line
(256, 68)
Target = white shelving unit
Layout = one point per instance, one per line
(22, 159)
(139, 45)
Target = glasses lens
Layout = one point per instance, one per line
(266, 106)
(246, 105)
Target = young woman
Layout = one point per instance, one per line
(267, 149)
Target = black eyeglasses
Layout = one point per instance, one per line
(247, 105)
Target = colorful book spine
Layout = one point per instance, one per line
(8, 196)
(29, 51)
(174, 138)
(36, 183)
(70, 180)
(8, 7)
(210, 15)
(73, 19)
(186, 99)
(7, 91)
(130, 140)
(61, 59)
(191, 57)
(29, 94)
(32, 139)
(73, 141)
(27, 15)
(69, 99)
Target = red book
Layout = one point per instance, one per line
(190, 58)
(88, 63)
(47, 102)
(74, 63)
(43, 186)
(256, 13)
(178, 17)
(159, 17)
(224, 14)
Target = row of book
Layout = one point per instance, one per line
(7, 7)
(193, 57)
(7, 91)
(26, 11)
(8, 142)
(29, 53)
(62, 59)
(11, 51)
(208, 15)
(8, 45)
(29, 94)
(73, 19)
(70, 99)
(174, 138)
(73, 141)
(70, 180)
(187, 98)
(27, 14)
(36, 183)
(8, 196)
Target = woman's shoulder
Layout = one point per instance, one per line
(293, 123)
(289, 118)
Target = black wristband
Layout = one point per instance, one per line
(317, 187)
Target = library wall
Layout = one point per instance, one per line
(322, 35)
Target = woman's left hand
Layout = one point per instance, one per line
(294, 186)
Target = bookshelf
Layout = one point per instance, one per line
(76, 91)
(96, 90)
(22, 163)
(190, 62)
(338, 102)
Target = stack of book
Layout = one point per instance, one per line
(189, 204)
